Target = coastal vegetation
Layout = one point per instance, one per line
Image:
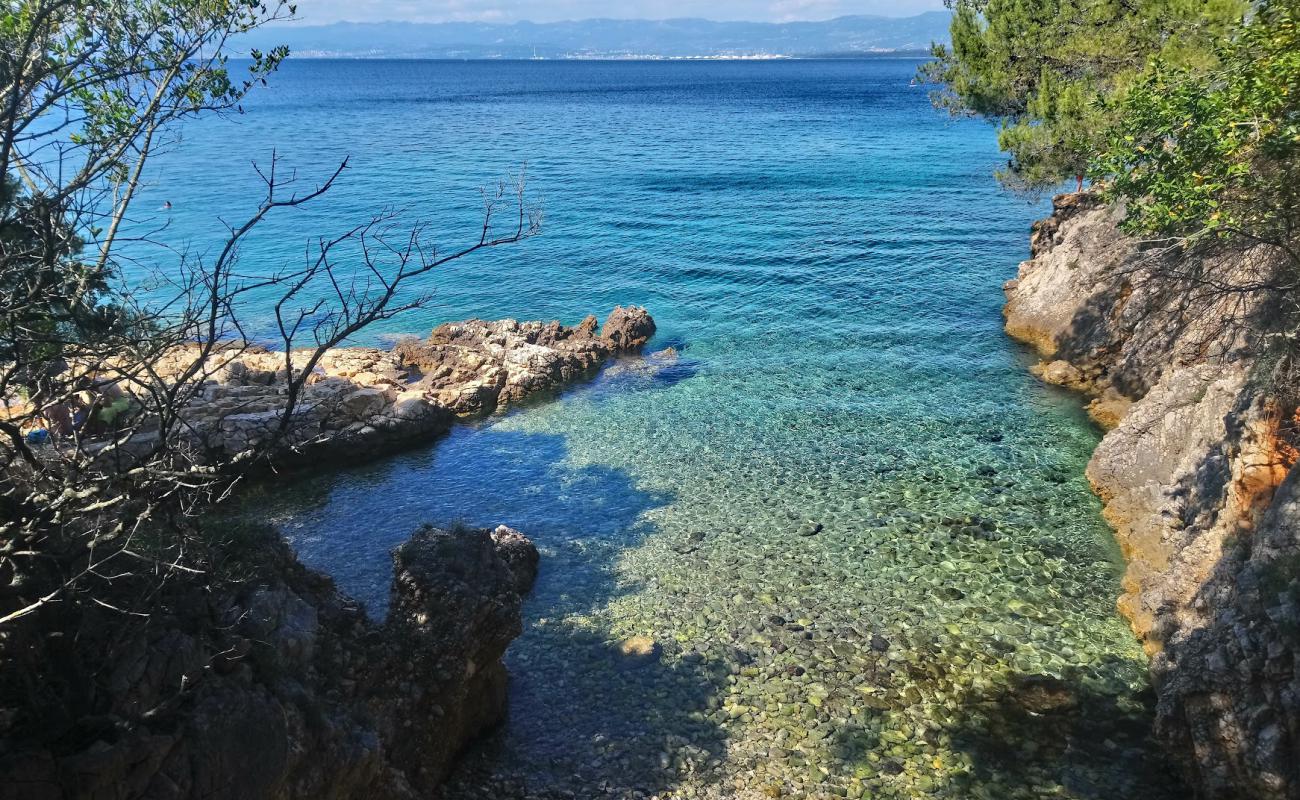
(1050, 72)
(1213, 152)
(1186, 114)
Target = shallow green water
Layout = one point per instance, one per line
(855, 527)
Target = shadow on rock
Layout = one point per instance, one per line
(590, 711)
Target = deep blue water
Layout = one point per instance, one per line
(825, 252)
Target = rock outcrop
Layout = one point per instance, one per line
(365, 401)
(1194, 475)
(276, 686)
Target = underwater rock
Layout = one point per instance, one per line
(1043, 694)
(637, 651)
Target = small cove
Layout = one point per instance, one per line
(853, 523)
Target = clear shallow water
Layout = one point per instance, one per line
(826, 254)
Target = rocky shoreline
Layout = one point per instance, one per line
(281, 687)
(262, 680)
(1195, 472)
(363, 402)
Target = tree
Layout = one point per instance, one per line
(1215, 155)
(1048, 71)
(94, 528)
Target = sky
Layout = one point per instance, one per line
(321, 12)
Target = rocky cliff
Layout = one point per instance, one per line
(1195, 473)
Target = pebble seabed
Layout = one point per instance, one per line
(740, 600)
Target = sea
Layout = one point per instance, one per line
(854, 526)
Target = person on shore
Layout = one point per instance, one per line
(58, 419)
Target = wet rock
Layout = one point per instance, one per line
(879, 643)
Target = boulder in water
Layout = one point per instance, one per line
(628, 328)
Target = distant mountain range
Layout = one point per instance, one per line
(608, 38)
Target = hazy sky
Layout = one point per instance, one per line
(316, 12)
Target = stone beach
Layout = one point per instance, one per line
(929, 621)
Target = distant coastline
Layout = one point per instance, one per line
(609, 39)
(324, 55)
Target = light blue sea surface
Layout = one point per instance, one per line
(826, 253)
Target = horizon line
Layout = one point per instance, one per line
(303, 22)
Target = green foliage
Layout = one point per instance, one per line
(88, 89)
(47, 295)
(1216, 153)
(1048, 71)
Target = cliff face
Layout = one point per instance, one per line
(1193, 472)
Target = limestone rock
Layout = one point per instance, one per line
(360, 401)
(279, 688)
(628, 328)
(363, 403)
(1189, 472)
(1059, 373)
(519, 554)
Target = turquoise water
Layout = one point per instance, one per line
(855, 528)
